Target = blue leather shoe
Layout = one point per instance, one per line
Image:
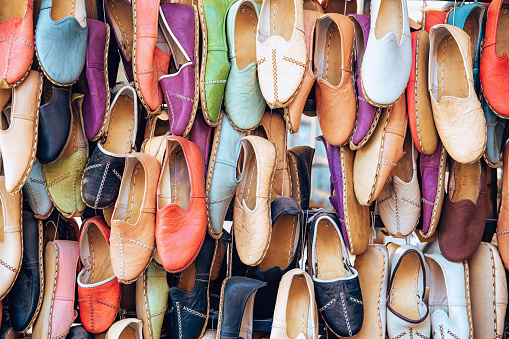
(61, 40)
(36, 193)
(495, 127)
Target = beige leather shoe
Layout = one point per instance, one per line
(18, 131)
(458, 115)
(280, 50)
(488, 292)
(251, 210)
(295, 314)
(375, 160)
(129, 328)
(133, 221)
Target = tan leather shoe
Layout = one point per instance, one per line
(458, 115)
(129, 328)
(336, 103)
(488, 292)
(133, 221)
(251, 211)
(375, 160)
(503, 216)
(18, 131)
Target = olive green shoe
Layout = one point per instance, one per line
(63, 177)
(215, 65)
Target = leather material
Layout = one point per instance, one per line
(25, 297)
(449, 297)
(36, 193)
(222, 177)
(200, 135)
(434, 18)
(373, 268)
(78, 332)
(57, 310)
(388, 58)
(375, 160)
(243, 97)
(180, 89)
(180, 229)
(488, 287)
(67, 36)
(189, 309)
(97, 92)
(336, 103)
(300, 161)
(236, 307)
(432, 169)
(18, 139)
(129, 328)
(55, 120)
(18, 49)
(354, 218)
(462, 221)
(284, 306)
(63, 178)
(459, 120)
(152, 300)
(251, 214)
(281, 63)
(495, 127)
(98, 288)
(132, 240)
(503, 217)
(215, 65)
(367, 114)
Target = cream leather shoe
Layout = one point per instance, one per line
(129, 328)
(280, 50)
(388, 57)
(457, 112)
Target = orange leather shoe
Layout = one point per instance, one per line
(434, 18)
(181, 217)
(494, 61)
(16, 41)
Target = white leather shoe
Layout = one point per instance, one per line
(388, 57)
(449, 300)
(408, 315)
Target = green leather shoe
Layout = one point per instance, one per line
(215, 66)
(63, 177)
(243, 97)
(152, 300)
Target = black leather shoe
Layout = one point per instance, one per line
(217, 276)
(55, 121)
(300, 160)
(282, 255)
(78, 332)
(337, 288)
(26, 294)
(56, 227)
(236, 309)
(189, 301)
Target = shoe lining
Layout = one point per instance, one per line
(404, 293)
(452, 78)
(187, 278)
(100, 265)
(438, 290)
(249, 178)
(465, 181)
(175, 178)
(72, 144)
(122, 19)
(283, 242)
(136, 191)
(245, 36)
(471, 27)
(359, 42)
(2, 223)
(282, 18)
(120, 126)
(502, 45)
(12, 9)
(128, 333)
(404, 168)
(328, 252)
(338, 6)
(297, 310)
(65, 8)
(178, 56)
(333, 55)
(390, 19)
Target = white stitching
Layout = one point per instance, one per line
(211, 82)
(342, 296)
(198, 314)
(136, 242)
(102, 185)
(328, 305)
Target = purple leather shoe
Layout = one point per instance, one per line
(97, 92)
(201, 134)
(180, 89)
(353, 217)
(432, 168)
(367, 114)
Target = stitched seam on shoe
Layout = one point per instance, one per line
(327, 305)
(147, 71)
(7, 56)
(117, 174)
(176, 95)
(61, 336)
(122, 256)
(33, 196)
(345, 313)
(75, 202)
(493, 294)
(222, 199)
(421, 335)
(88, 168)
(427, 202)
(26, 43)
(57, 180)
(102, 185)
(297, 62)
(179, 320)
(168, 102)
(157, 313)
(388, 163)
(411, 201)
(261, 61)
(211, 82)
(356, 301)
(400, 335)
(139, 243)
(198, 314)
(90, 304)
(9, 267)
(122, 28)
(106, 304)
(42, 182)
(452, 334)
(274, 74)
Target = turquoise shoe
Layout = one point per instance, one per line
(36, 193)
(222, 176)
(495, 127)
(243, 97)
(61, 41)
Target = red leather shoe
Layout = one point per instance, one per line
(98, 287)
(181, 217)
(434, 18)
(494, 61)
(16, 41)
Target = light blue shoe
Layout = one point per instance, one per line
(495, 127)
(36, 193)
(61, 45)
(222, 176)
(243, 97)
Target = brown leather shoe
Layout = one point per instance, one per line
(503, 216)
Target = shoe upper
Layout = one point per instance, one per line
(200, 135)
(495, 127)
(129, 328)
(300, 161)
(36, 193)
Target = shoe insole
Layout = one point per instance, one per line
(502, 45)
(177, 187)
(5, 97)
(5, 118)
(452, 79)
(404, 289)
(249, 179)
(135, 197)
(282, 18)
(404, 167)
(12, 9)
(310, 5)
(122, 18)
(178, 54)
(162, 42)
(390, 19)
(218, 260)
(282, 242)
(65, 8)
(246, 326)
(437, 289)
(128, 333)
(466, 181)
(359, 42)
(338, 6)
(328, 252)
(120, 126)
(245, 36)
(100, 268)
(471, 27)
(187, 278)
(297, 310)
(72, 144)
(333, 56)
